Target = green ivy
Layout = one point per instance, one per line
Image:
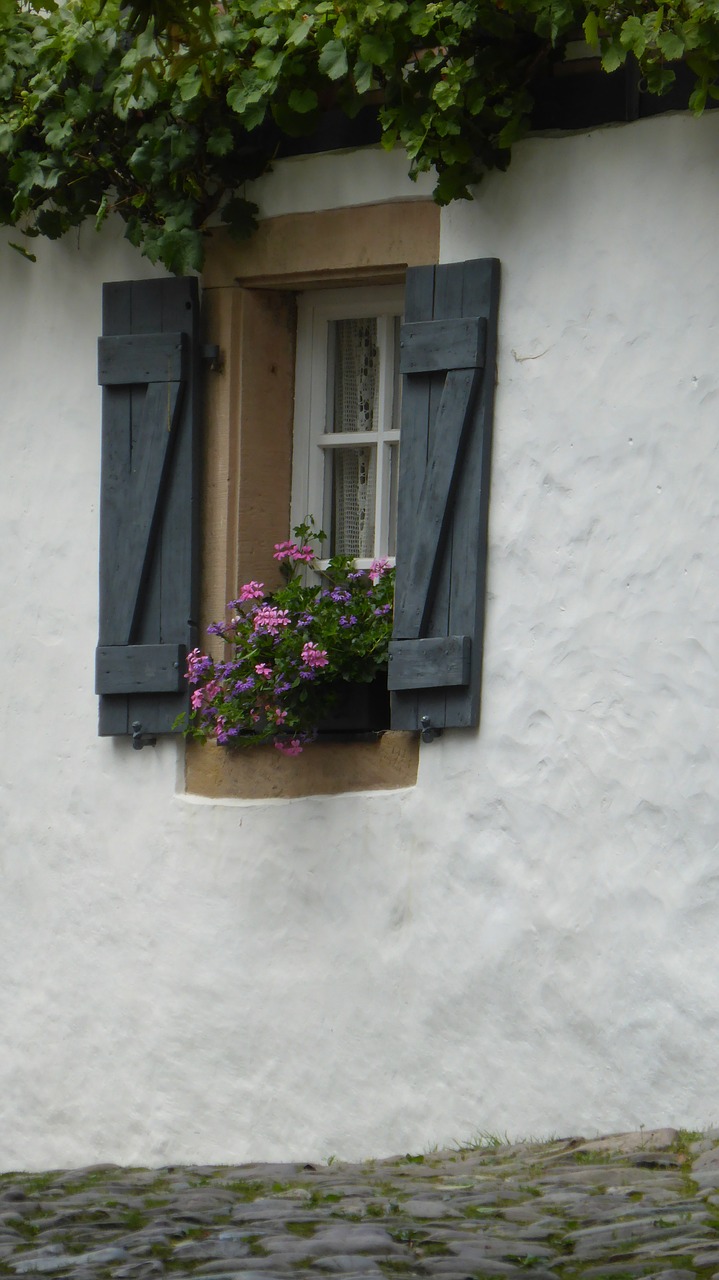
(160, 110)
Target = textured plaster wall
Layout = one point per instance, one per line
(526, 940)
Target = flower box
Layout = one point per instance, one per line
(361, 709)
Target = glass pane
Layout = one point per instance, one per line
(356, 374)
(354, 474)
(393, 484)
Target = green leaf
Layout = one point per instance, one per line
(612, 57)
(377, 48)
(302, 100)
(240, 216)
(591, 28)
(363, 76)
(333, 60)
(632, 36)
(671, 45)
(220, 142)
(300, 30)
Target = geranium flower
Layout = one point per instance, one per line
(269, 618)
(291, 748)
(377, 570)
(250, 591)
(313, 656)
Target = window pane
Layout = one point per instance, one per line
(353, 501)
(356, 375)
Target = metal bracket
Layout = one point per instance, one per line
(428, 733)
(140, 739)
(210, 355)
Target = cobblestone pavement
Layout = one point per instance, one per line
(641, 1204)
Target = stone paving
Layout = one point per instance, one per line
(633, 1205)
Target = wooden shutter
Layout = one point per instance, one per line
(448, 355)
(148, 366)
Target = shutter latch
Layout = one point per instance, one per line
(428, 733)
(140, 739)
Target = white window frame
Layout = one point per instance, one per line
(311, 483)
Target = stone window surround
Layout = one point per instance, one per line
(249, 310)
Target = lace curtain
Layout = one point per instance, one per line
(355, 409)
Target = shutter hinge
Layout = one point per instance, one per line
(210, 354)
(140, 739)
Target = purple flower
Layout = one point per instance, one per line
(197, 664)
(305, 619)
(348, 622)
(383, 609)
(216, 629)
(243, 686)
(340, 596)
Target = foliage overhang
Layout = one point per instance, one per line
(160, 110)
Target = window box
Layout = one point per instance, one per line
(361, 710)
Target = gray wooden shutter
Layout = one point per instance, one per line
(448, 355)
(148, 366)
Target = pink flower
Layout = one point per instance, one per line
(283, 550)
(262, 669)
(291, 551)
(212, 688)
(269, 618)
(250, 591)
(377, 569)
(280, 716)
(197, 699)
(313, 656)
(291, 748)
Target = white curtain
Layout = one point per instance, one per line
(355, 409)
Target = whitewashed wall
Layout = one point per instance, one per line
(524, 942)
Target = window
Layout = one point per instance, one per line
(347, 418)
(345, 387)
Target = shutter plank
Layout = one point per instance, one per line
(150, 461)
(415, 598)
(140, 668)
(472, 498)
(134, 358)
(429, 663)
(116, 446)
(433, 346)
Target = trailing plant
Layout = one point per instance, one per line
(160, 110)
(288, 651)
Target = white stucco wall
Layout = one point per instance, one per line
(526, 940)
